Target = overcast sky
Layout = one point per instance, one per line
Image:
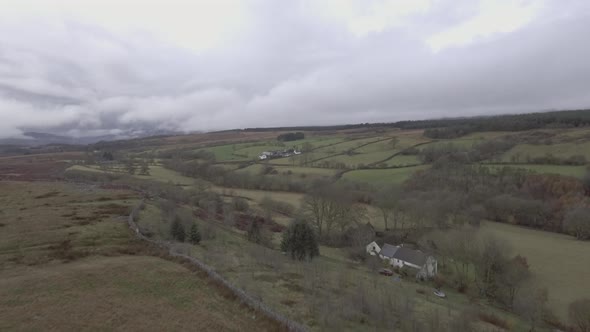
(91, 67)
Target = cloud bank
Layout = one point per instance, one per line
(128, 66)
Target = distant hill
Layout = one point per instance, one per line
(40, 138)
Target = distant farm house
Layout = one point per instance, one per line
(278, 154)
(401, 257)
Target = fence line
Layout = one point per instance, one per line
(244, 297)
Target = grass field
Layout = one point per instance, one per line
(259, 195)
(575, 171)
(65, 265)
(383, 176)
(559, 262)
(138, 293)
(361, 158)
(349, 144)
(227, 152)
(401, 160)
(563, 150)
(157, 173)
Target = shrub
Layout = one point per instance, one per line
(439, 281)
(240, 204)
(494, 320)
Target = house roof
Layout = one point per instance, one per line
(388, 250)
(411, 256)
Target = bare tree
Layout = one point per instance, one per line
(491, 259)
(530, 303)
(513, 277)
(579, 313)
(386, 201)
(327, 208)
(577, 222)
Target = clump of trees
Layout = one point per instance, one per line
(299, 241)
(453, 193)
(331, 211)
(485, 263)
(223, 177)
(286, 137)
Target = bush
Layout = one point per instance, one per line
(494, 320)
(240, 204)
(277, 206)
(439, 281)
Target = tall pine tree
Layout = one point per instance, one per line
(299, 241)
(194, 234)
(177, 230)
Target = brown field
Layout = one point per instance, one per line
(36, 167)
(68, 262)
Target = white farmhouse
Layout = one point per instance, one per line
(373, 248)
(400, 256)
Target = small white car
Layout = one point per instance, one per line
(439, 294)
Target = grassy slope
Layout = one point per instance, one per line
(92, 284)
(139, 293)
(284, 284)
(157, 173)
(559, 262)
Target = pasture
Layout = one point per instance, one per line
(383, 176)
(524, 152)
(559, 262)
(564, 170)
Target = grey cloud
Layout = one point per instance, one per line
(289, 68)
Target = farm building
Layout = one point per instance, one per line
(373, 248)
(400, 256)
(278, 154)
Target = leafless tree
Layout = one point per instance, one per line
(530, 303)
(579, 313)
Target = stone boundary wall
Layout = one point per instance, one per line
(239, 293)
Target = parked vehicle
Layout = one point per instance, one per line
(439, 294)
(386, 272)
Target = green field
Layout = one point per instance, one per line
(563, 150)
(355, 160)
(349, 144)
(383, 176)
(401, 160)
(575, 171)
(226, 152)
(559, 262)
